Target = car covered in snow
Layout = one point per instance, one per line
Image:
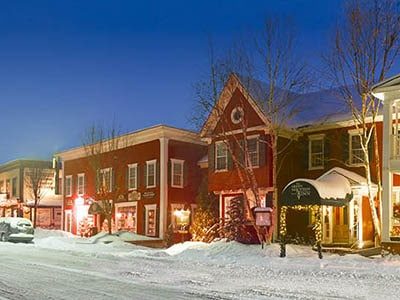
(16, 230)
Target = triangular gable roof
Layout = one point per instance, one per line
(231, 85)
(389, 85)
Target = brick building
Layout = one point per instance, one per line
(152, 174)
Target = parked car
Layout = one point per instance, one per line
(16, 230)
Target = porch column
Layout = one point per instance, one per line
(387, 175)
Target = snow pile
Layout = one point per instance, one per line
(60, 240)
(120, 236)
(233, 252)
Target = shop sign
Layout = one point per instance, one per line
(149, 195)
(134, 196)
(300, 190)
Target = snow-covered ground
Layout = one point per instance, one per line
(61, 266)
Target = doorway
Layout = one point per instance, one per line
(340, 225)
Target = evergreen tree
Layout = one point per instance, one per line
(206, 216)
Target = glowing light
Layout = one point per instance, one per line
(79, 201)
(182, 217)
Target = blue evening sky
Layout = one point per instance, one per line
(67, 64)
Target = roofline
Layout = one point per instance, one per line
(381, 88)
(246, 94)
(140, 136)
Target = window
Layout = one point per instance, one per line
(150, 219)
(81, 184)
(2, 186)
(8, 186)
(316, 152)
(126, 216)
(105, 180)
(151, 173)
(221, 156)
(177, 173)
(68, 185)
(356, 152)
(395, 230)
(253, 150)
(132, 177)
(14, 187)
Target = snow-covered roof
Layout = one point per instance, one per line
(309, 108)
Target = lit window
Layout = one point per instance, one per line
(395, 230)
(150, 219)
(81, 184)
(68, 185)
(177, 173)
(253, 149)
(126, 216)
(356, 152)
(316, 152)
(151, 173)
(132, 177)
(221, 156)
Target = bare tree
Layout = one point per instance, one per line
(282, 79)
(100, 146)
(38, 181)
(366, 47)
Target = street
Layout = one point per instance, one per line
(189, 271)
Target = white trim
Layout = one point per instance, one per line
(139, 137)
(68, 193)
(311, 139)
(352, 133)
(216, 157)
(151, 163)
(163, 186)
(103, 180)
(181, 162)
(80, 175)
(130, 167)
(146, 209)
(252, 137)
(68, 216)
(127, 204)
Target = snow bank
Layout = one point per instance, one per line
(123, 236)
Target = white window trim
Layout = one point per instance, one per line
(102, 171)
(312, 138)
(127, 204)
(80, 175)
(256, 136)
(148, 163)
(68, 193)
(176, 161)
(353, 132)
(216, 157)
(131, 166)
(146, 209)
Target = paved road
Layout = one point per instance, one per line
(29, 272)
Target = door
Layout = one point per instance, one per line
(340, 225)
(68, 221)
(327, 224)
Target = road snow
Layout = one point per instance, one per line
(60, 266)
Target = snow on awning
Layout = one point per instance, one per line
(332, 189)
(47, 201)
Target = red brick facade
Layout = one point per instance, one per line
(161, 145)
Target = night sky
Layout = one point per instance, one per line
(67, 64)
